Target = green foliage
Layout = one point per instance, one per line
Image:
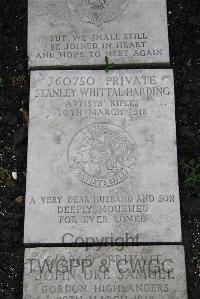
(191, 170)
(108, 66)
(5, 178)
(1, 82)
(196, 257)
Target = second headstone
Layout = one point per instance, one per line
(102, 161)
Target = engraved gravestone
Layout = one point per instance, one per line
(83, 32)
(102, 160)
(150, 272)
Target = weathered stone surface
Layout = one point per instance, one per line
(151, 272)
(102, 161)
(83, 32)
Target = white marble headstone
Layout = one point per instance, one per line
(150, 272)
(102, 160)
(83, 32)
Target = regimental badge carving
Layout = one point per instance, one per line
(97, 11)
(102, 155)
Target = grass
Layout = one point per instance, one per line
(1, 82)
(109, 66)
(196, 257)
(5, 178)
(191, 170)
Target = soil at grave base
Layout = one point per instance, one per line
(14, 89)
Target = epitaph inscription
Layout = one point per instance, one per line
(102, 161)
(105, 273)
(84, 32)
